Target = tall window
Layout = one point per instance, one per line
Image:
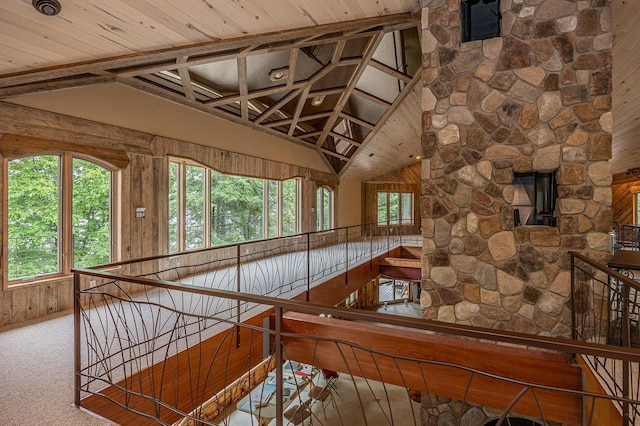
(395, 208)
(91, 214)
(194, 207)
(281, 207)
(207, 208)
(289, 203)
(324, 208)
(236, 208)
(39, 241)
(174, 207)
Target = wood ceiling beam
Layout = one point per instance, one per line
(344, 138)
(243, 88)
(357, 120)
(353, 80)
(254, 94)
(326, 92)
(310, 134)
(181, 100)
(294, 93)
(391, 71)
(185, 78)
(296, 115)
(334, 154)
(293, 60)
(167, 56)
(276, 89)
(408, 88)
(288, 121)
(371, 98)
(51, 86)
(204, 59)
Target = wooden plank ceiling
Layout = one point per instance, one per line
(329, 87)
(360, 57)
(626, 85)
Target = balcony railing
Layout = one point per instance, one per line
(606, 310)
(184, 338)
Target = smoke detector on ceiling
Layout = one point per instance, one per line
(47, 7)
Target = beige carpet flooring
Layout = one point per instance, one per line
(36, 375)
(36, 381)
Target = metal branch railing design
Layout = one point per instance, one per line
(169, 353)
(276, 266)
(606, 310)
(185, 337)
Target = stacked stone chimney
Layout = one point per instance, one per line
(536, 99)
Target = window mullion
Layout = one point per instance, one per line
(65, 214)
(207, 208)
(182, 189)
(5, 221)
(265, 207)
(279, 208)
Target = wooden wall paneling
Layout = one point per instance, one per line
(46, 125)
(622, 203)
(160, 235)
(13, 146)
(604, 414)
(33, 301)
(129, 205)
(48, 301)
(125, 216)
(147, 199)
(143, 183)
(18, 305)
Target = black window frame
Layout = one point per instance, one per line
(474, 10)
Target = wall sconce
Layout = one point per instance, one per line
(635, 172)
(141, 212)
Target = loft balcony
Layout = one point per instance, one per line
(187, 338)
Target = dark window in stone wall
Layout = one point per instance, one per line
(480, 19)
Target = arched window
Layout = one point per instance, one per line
(324, 208)
(49, 229)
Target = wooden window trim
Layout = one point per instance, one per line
(65, 217)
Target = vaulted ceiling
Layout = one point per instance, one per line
(337, 77)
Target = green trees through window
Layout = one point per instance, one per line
(36, 212)
(207, 208)
(324, 207)
(34, 201)
(236, 209)
(91, 214)
(395, 208)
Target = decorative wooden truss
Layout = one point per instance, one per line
(329, 87)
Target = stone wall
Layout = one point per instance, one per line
(536, 99)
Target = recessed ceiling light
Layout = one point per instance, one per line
(418, 157)
(371, 155)
(47, 7)
(317, 100)
(278, 74)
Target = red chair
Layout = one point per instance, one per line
(331, 377)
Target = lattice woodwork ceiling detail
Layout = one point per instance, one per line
(328, 88)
